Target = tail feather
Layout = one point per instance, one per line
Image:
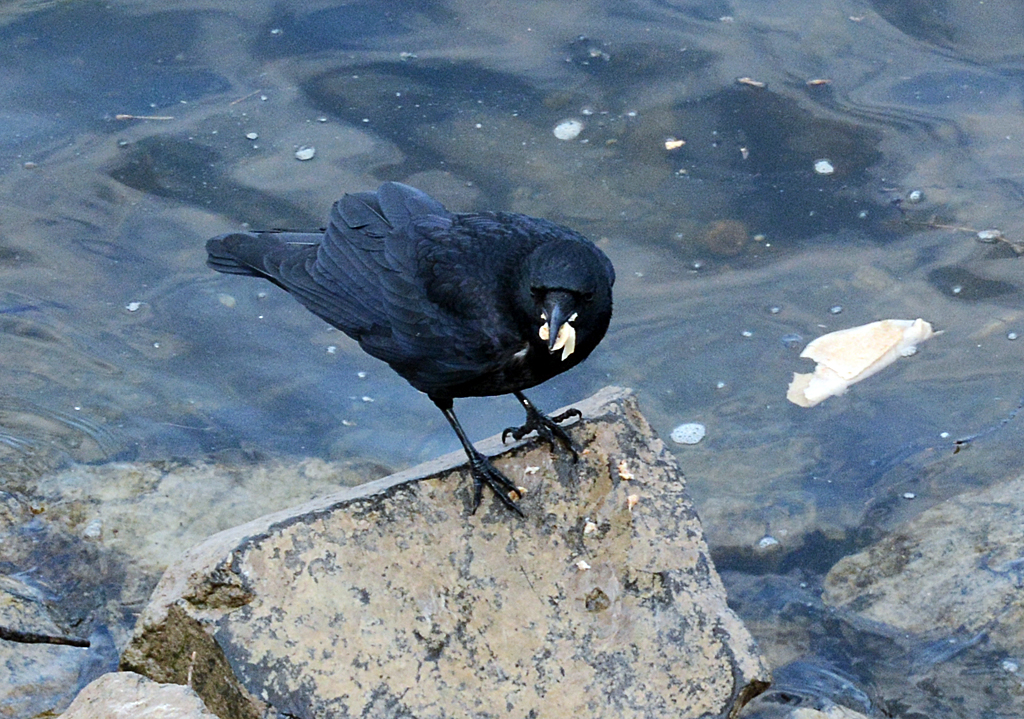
(239, 254)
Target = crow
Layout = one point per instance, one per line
(459, 304)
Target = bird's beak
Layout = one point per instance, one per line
(557, 329)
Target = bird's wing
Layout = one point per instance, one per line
(445, 290)
(450, 298)
(398, 273)
(366, 281)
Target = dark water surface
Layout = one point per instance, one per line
(732, 252)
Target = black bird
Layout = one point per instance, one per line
(459, 304)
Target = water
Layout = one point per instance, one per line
(118, 343)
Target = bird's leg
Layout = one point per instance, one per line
(479, 466)
(547, 428)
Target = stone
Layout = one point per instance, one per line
(125, 695)
(954, 569)
(393, 599)
(83, 548)
(781, 711)
(811, 689)
(43, 677)
(34, 678)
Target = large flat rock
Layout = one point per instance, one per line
(391, 599)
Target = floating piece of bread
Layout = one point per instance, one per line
(848, 356)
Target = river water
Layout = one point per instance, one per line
(132, 131)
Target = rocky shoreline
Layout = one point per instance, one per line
(390, 598)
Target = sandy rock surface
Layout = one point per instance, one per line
(391, 599)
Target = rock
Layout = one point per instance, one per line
(34, 678)
(955, 568)
(392, 599)
(83, 547)
(150, 512)
(124, 695)
(811, 689)
(836, 711)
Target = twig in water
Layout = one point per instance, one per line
(15, 635)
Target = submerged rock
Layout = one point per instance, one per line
(392, 599)
(955, 569)
(811, 689)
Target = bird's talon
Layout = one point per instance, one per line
(567, 414)
(486, 473)
(547, 428)
(478, 493)
(516, 432)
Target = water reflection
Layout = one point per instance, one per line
(118, 343)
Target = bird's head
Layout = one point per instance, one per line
(570, 296)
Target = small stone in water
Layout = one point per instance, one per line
(909, 495)
(990, 235)
(791, 340)
(305, 153)
(251, 136)
(690, 433)
(957, 289)
(568, 129)
(823, 167)
(835, 309)
(915, 196)
(767, 542)
(1011, 336)
(133, 306)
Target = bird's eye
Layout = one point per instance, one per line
(588, 296)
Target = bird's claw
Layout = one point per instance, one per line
(567, 414)
(486, 473)
(547, 428)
